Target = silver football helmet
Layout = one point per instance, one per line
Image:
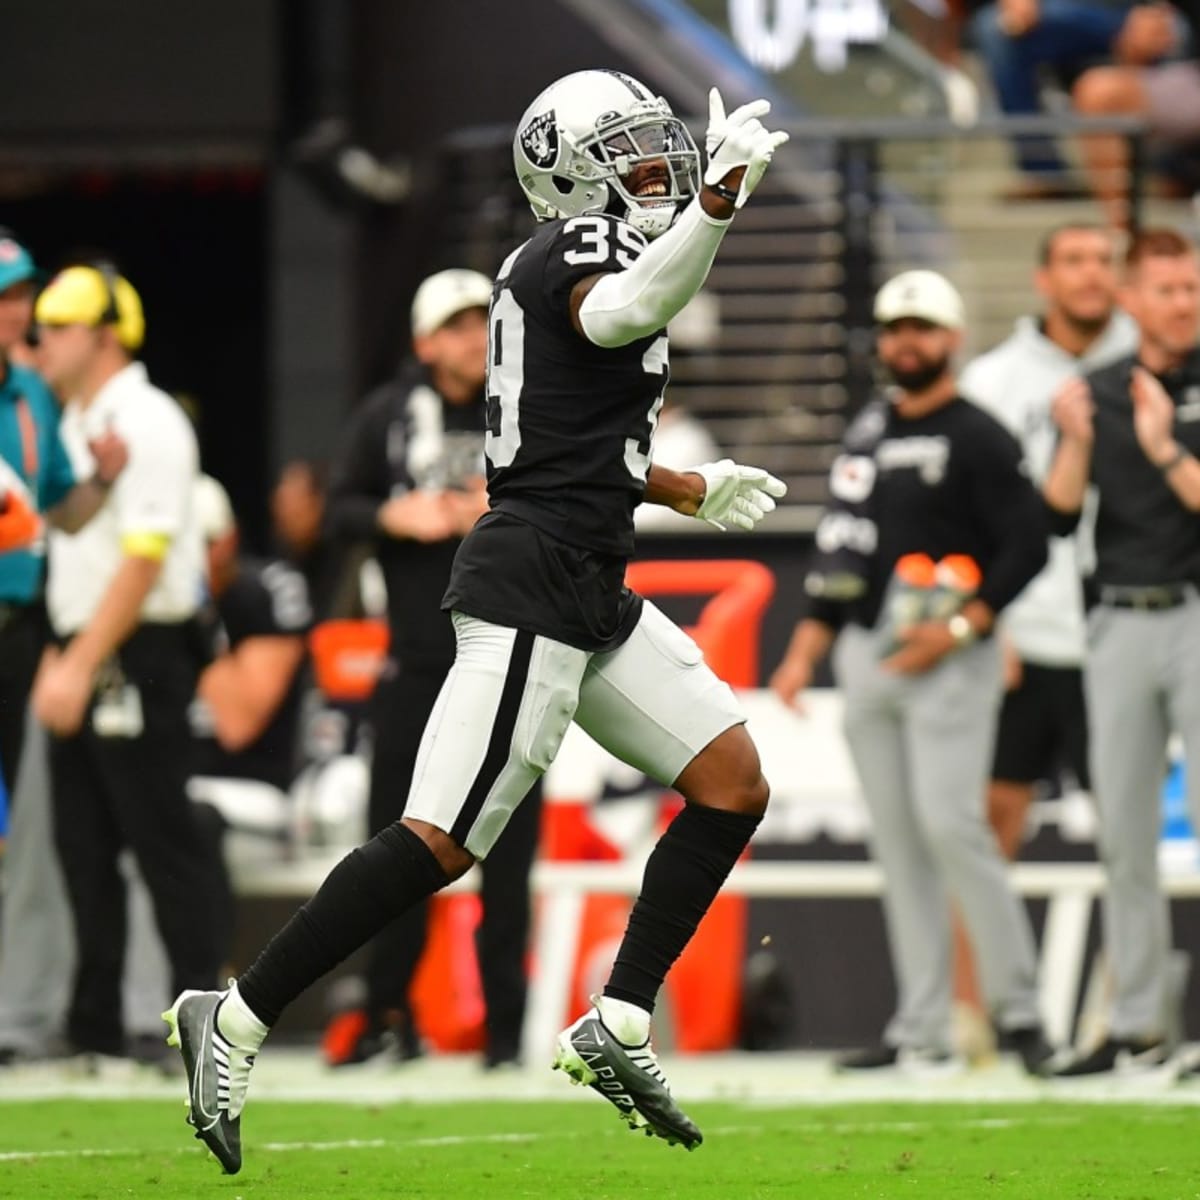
(599, 141)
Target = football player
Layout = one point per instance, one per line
(547, 632)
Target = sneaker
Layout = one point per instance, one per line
(218, 1075)
(629, 1077)
(1124, 1056)
(1030, 1045)
(910, 1059)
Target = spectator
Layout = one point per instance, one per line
(37, 477)
(1165, 94)
(297, 520)
(924, 472)
(1130, 431)
(1043, 725)
(115, 688)
(411, 480)
(1018, 39)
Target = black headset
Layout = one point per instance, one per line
(109, 275)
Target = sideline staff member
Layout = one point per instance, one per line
(114, 693)
(36, 475)
(1132, 431)
(926, 472)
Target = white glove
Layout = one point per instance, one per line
(740, 495)
(739, 140)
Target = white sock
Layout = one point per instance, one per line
(628, 1023)
(238, 1024)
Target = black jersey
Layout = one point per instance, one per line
(570, 427)
(950, 482)
(406, 436)
(1144, 535)
(569, 423)
(264, 599)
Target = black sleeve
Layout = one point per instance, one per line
(266, 600)
(595, 244)
(828, 612)
(1012, 512)
(287, 609)
(1061, 524)
(359, 481)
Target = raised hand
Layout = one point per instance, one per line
(738, 142)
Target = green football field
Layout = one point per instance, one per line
(81, 1148)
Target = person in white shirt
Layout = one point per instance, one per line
(114, 688)
(1043, 723)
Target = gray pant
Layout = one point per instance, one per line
(37, 941)
(922, 747)
(1142, 679)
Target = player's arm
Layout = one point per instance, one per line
(616, 308)
(244, 688)
(682, 491)
(720, 493)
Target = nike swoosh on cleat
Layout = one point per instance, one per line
(198, 1085)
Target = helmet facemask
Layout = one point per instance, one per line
(650, 163)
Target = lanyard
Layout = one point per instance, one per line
(29, 446)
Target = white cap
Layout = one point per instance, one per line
(214, 513)
(922, 294)
(444, 295)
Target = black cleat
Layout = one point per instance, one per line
(1118, 1056)
(628, 1077)
(1029, 1044)
(218, 1074)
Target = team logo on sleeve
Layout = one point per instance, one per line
(539, 140)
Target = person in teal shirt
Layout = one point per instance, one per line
(39, 468)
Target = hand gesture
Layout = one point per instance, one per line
(1072, 409)
(739, 495)
(1153, 416)
(111, 454)
(739, 148)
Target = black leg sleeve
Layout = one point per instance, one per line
(368, 888)
(683, 875)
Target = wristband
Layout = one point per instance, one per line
(1180, 454)
(730, 194)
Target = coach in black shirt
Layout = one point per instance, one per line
(924, 471)
(1132, 432)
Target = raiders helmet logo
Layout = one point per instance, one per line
(539, 140)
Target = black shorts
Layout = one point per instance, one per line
(1043, 727)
